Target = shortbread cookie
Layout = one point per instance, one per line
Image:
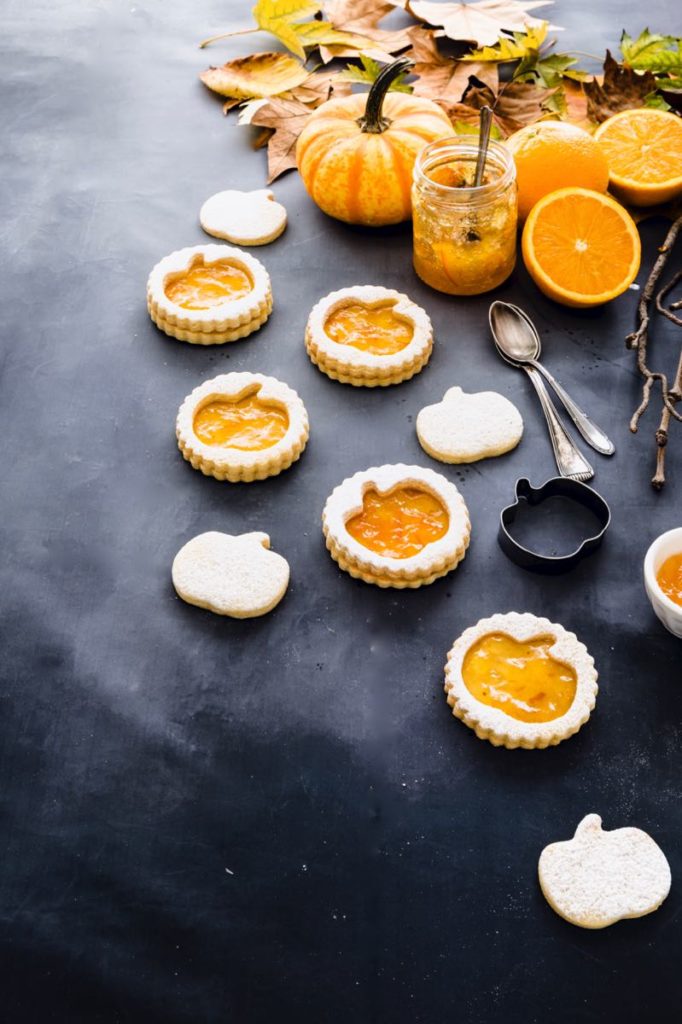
(245, 218)
(209, 294)
(242, 426)
(465, 428)
(520, 681)
(598, 878)
(368, 336)
(396, 526)
(235, 576)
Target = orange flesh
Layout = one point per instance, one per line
(458, 174)
(247, 424)
(669, 578)
(584, 246)
(207, 285)
(374, 329)
(644, 149)
(521, 679)
(399, 524)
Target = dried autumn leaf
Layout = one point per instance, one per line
(278, 17)
(622, 88)
(362, 13)
(441, 77)
(515, 105)
(286, 118)
(576, 105)
(319, 87)
(480, 23)
(261, 74)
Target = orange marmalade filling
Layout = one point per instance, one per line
(374, 329)
(669, 578)
(521, 679)
(399, 524)
(208, 284)
(247, 424)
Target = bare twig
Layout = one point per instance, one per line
(639, 340)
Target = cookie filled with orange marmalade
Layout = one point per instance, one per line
(396, 526)
(520, 681)
(368, 336)
(209, 294)
(242, 427)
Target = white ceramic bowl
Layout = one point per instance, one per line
(663, 547)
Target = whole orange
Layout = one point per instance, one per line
(551, 155)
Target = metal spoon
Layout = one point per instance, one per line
(517, 336)
(486, 118)
(569, 459)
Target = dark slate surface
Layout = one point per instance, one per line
(207, 820)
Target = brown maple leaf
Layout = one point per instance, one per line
(441, 77)
(286, 119)
(621, 89)
(515, 105)
(362, 17)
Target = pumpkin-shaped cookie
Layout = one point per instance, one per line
(396, 526)
(236, 576)
(520, 681)
(467, 427)
(598, 877)
(356, 153)
(209, 294)
(242, 427)
(368, 336)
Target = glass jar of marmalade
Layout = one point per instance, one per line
(464, 236)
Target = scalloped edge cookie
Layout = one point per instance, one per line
(234, 575)
(433, 561)
(366, 369)
(494, 725)
(467, 426)
(233, 319)
(244, 218)
(230, 463)
(599, 877)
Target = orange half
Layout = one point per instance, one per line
(580, 247)
(644, 151)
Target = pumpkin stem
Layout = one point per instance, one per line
(373, 120)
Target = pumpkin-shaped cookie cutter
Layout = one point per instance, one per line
(562, 487)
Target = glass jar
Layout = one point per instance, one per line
(464, 237)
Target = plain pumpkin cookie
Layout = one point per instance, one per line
(209, 294)
(597, 877)
(236, 576)
(467, 427)
(396, 526)
(245, 218)
(520, 681)
(368, 336)
(242, 427)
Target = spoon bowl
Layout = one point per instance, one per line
(517, 341)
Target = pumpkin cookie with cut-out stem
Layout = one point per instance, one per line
(242, 427)
(520, 681)
(368, 336)
(396, 526)
(209, 294)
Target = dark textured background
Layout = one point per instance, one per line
(207, 820)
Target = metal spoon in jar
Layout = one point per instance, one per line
(569, 459)
(486, 119)
(516, 335)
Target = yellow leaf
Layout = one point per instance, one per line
(255, 77)
(278, 16)
(512, 49)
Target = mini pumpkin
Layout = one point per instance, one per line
(356, 153)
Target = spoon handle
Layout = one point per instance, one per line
(568, 458)
(593, 434)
